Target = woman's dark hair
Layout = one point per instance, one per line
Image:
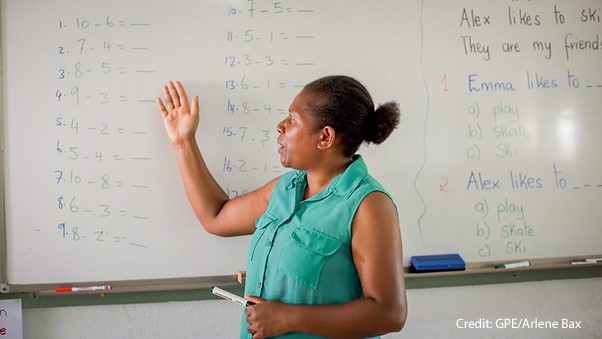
(344, 104)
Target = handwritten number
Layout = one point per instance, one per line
(73, 153)
(248, 35)
(444, 82)
(266, 135)
(59, 176)
(75, 125)
(105, 181)
(105, 97)
(76, 236)
(72, 206)
(62, 228)
(106, 211)
(75, 92)
(99, 234)
(443, 184)
(244, 131)
(106, 67)
(81, 47)
(78, 71)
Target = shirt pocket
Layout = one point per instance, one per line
(261, 224)
(305, 253)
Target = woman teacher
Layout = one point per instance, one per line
(325, 259)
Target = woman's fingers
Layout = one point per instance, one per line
(254, 299)
(168, 98)
(195, 105)
(174, 95)
(177, 101)
(162, 107)
(182, 96)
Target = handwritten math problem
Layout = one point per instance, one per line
(91, 54)
(258, 90)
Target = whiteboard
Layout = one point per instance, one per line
(497, 155)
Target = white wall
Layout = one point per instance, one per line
(433, 313)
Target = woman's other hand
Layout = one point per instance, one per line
(266, 318)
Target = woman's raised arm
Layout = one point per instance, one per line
(216, 212)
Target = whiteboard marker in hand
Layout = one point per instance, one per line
(230, 296)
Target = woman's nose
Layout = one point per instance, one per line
(280, 126)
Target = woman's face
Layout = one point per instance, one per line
(298, 137)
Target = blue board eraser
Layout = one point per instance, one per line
(437, 263)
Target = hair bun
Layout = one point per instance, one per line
(382, 122)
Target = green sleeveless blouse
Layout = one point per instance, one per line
(301, 250)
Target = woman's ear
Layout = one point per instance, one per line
(327, 138)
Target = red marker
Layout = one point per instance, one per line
(84, 289)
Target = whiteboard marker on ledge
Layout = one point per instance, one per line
(583, 262)
(84, 289)
(587, 261)
(519, 264)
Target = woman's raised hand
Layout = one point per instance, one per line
(179, 118)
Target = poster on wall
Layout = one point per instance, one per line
(11, 319)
